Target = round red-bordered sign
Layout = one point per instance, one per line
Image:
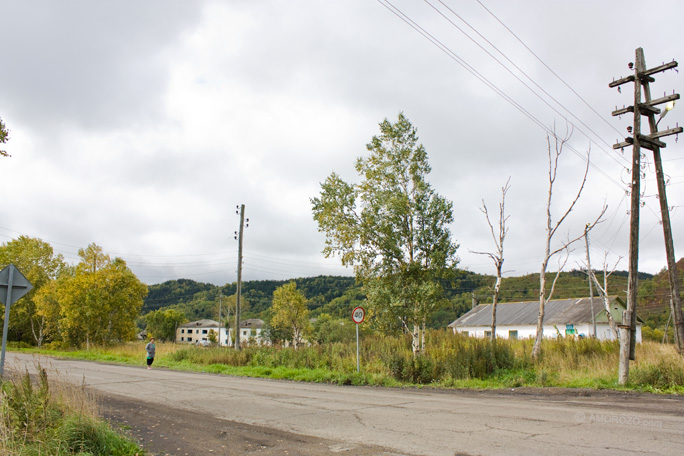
(358, 314)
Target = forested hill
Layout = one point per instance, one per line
(337, 296)
(200, 300)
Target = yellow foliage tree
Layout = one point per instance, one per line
(99, 303)
(290, 314)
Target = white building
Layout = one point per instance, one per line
(562, 317)
(198, 332)
(250, 330)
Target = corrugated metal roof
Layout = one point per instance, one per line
(556, 312)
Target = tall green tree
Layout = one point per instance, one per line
(38, 262)
(162, 323)
(99, 303)
(290, 314)
(392, 227)
(4, 136)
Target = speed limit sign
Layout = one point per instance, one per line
(358, 314)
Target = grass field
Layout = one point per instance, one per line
(449, 361)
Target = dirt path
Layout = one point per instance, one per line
(165, 431)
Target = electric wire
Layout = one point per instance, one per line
(600, 139)
(549, 68)
(451, 54)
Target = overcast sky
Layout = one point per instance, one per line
(140, 126)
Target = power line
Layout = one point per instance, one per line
(549, 68)
(451, 54)
(524, 73)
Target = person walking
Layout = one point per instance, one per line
(150, 352)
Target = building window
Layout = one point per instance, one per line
(513, 334)
(182, 339)
(182, 331)
(204, 331)
(189, 339)
(488, 334)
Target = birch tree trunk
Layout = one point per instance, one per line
(415, 342)
(495, 300)
(536, 350)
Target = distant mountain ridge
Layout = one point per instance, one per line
(337, 296)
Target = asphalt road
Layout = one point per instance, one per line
(402, 421)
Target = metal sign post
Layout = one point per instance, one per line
(17, 286)
(358, 314)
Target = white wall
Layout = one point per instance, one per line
(603, 331)
(183, 335)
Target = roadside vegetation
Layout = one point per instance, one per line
(394, 230)
(449, 361)
(42, 417)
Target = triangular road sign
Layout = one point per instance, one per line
(20, 285)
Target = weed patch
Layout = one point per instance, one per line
(36, 419)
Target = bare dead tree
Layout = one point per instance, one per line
(591, 288)
(603, 290)
(551, 229)
(497, 257)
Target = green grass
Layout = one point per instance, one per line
(449, 361)
(51, 418)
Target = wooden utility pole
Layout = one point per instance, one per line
(673, 274)
(219, 321)
(641, 77)
(239, 277)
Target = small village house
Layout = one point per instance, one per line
(562, 317)
(251, 329)
(198, 332)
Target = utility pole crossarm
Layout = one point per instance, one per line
(623, 144)
(670, 132)
(621, 81)
(647, 107)
(650, 141)
(644, 75)
(644, 109)
(663, 67)
(659, 101)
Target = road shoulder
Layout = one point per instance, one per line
(163, 430)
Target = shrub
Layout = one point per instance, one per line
(478, 358)
(664, 374)
(655, 335)
(419, 369)
(396, 364)
(35, 420)
(83, 435)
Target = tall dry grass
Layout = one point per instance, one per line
(448, 360)
(49, 417)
